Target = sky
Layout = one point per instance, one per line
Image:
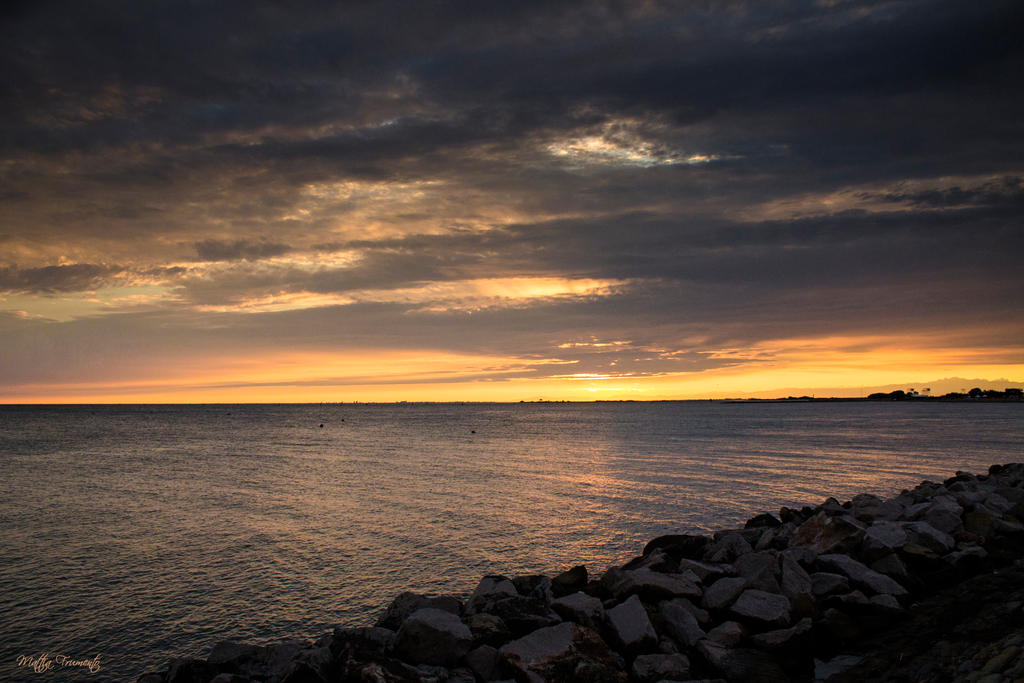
(385, 201)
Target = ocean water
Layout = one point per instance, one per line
(141, 533)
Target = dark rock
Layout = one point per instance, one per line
(433, 636)
(484, 662)
(727, 547)
(632, 627)
(728, 633)
(408, 602)
(761, 607)
(648, 584)
(488, 629)
(741, 665)
(362, 641)
(835, 630)
(581, 608)
(657, 560)
(892, 566)
(534, 586)
(522, 614)
(793, 638)
(553, 653)
(219, 678)
(925, 534)
(680, 623)
(657, 667)
(883, 538)
(763, 520)
(569, 581)
(593, 672)
(826, 534)
(190, 671)
(490, 589)
(824, 584)
(760, 569)
(300, 672)
(721, 593)
(705, 571)
(690, 546)
(862, 576)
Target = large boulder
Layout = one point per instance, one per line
(553, 653)
(569, 581)
(862, 576)
(760, 569)
(489, 590)
(659, 667)
(408, 602)
(826, 533)
(631, 626)
(648, 584)
(433, 636)
(728, 546)
(680, 623)
(763, 608)
(581, 608)
(721, 593)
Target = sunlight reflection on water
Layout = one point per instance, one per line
(142, 533)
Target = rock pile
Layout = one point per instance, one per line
(784, 598)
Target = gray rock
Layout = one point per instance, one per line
(490, 589)
(553, 653)
(825, 533)
(433, 636)
(522, 614)
(680, 622)
(488, 629)
(362, 639)
(408, 602)
(721, 593)
(728, 633)
(786, 638)
(763, 608)
(631, 625)
(581, 608)
(887, 603)
(925, 534)
(569, 581)
(648, 584)
(863, 576)
(796, 582)
(892, 566)
(534, 586)
(883, 538)
(727, 547)
(657, 667)
(706, 571)
(970, 556)
(824, 584)
(760, 569)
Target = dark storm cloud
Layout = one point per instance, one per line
(75, 277)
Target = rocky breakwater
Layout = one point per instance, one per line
(784, 598)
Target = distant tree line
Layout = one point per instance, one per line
(975, 394)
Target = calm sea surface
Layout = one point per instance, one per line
(139, 533)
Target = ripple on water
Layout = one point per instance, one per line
(142, 533)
